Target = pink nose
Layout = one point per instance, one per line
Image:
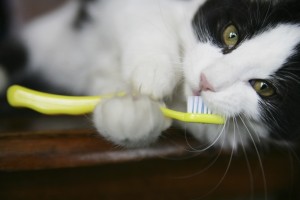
(204, 84)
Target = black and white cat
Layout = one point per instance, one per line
(241, 56)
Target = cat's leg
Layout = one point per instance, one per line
(149, 64)
(136, 120)
(130, 121)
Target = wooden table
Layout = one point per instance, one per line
(62, 157)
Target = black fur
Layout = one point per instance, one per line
(281, 113)
(4, 19)
(285, 120)
(13, 55)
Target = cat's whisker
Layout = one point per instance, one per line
(224, 175)
(200, 150)
(191, 148)
(257, 15)
(214, 161)
(246, 157)
(268, 14)
(247, 129)
(291, 76)
(271, 111)
(215, 140)
(169, 139)
(258, 158)
(203, 170)
(288, 75)
(235, 125)
(253, 128)
(293, 63)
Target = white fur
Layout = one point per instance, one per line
(148, 47)
(130, 121)
(133, 49)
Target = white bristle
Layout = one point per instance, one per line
(195, 104)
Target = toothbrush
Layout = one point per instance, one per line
(52, 104)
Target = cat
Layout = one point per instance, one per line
(241, 56)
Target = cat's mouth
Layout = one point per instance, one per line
(215, 102)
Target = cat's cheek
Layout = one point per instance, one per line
(130, 121)
(237, 100)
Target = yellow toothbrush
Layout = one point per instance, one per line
(52, 104)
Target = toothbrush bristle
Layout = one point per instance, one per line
(195, 104)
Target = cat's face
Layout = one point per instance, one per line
(245, 62)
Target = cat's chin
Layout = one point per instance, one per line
(236, 133)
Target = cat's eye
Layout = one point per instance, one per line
(230, 36)
(263, 88)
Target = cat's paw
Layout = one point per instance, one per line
(155, 77)
(130, 121)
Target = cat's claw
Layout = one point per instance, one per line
(130, 121)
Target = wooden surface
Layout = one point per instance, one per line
(58, 157)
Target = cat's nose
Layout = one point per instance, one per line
(205, 85)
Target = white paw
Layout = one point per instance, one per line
(155, 77)
(130, 121)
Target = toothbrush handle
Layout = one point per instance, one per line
(50, 104)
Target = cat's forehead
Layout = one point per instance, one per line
(268, 51)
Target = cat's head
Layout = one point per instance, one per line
(245, 62)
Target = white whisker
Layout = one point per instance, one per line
(192, 149)
(204, 169)
(250, 123)
(214, 141)
(224, 175)
(259, 160)
(247, 160)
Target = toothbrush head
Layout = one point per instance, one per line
(52, 104)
